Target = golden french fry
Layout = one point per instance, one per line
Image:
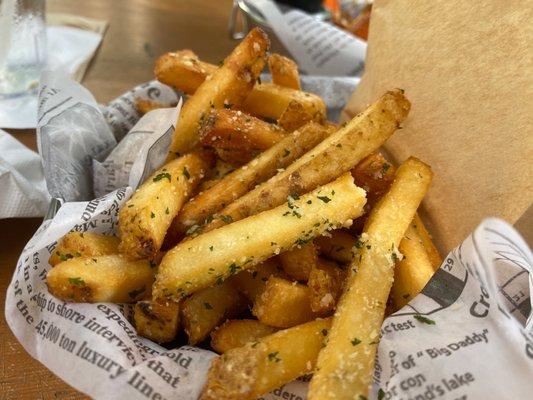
(284, 71)
(246, 373)
(345, 366)
(81, 244)
(109, 278)
(251, 282)
(214, 256)
(182, 70)
(338, 246)
(325, 284)
(235, 130)
(207, 308)
(295, 116)
(375, 174)
(146, 216)
(145, 106)
(335, 155)
(283, 304)
(298, 262)
(157, 321)
(229, 84)
(239, 182)
(431, 250)
(236, 333)
(413, 271)
(270, 101)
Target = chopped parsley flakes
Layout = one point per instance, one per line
(162, 175)
(424, 320)
(76, 281)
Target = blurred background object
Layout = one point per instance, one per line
(22, 45)
(351, 15)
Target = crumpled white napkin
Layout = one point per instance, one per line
(68, 49)
(24, 192)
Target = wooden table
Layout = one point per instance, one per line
(139, 30)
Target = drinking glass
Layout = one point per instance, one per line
(22, 46)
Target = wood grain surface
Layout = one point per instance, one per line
(139, 30)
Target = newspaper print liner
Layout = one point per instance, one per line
(481, 345)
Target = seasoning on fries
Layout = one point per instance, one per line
(295, 229)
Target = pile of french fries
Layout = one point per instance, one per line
(271, 235)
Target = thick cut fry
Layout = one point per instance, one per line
(246, 373)
(242, 180)
(146, 216)
(207, 308)
(145, 106)
(81, 244)
(413, 271)
(283, 304)
(295, 116)
(235, 130)
(270, 101)
(182, 70)
(337, 246)
(284, 71)
(298, 262)
(185, 72)
(375, 174)
(110, 278)
(251, 282)
(335, 155)
(214, 256)
(325, 284)
(431, 250)
(345, 366)
(236, 333)
(229, 84)
(157, 321)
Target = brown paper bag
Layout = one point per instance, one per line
(467, 69)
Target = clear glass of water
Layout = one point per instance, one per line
(22, 46)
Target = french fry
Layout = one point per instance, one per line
(239, 182)
(182, 70)
(335, 155)
(298, 262)
(235, 130)
(284, 71)
(236, 333)
(156, 321)
(375, 174)
(229, 84)
(246, 373)
(251, 282)
(268, 100)
(185, 72)
(325, 284)
(146, 216)
(425, 237)
(214, 256)
(109, 278)
(338, 246)
(283, 304)
(295, 116)
(345, 366)
(145, 106)
(207, 308)
(81, 244)
(413, 271)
